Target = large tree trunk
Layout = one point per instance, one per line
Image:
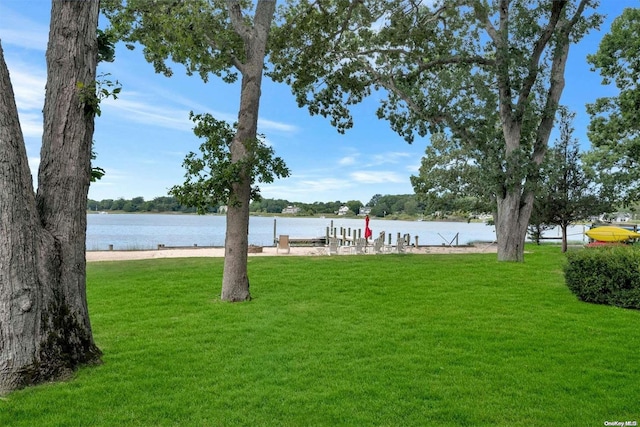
(514, 212)
(21, 285)
(515, 206)
(44, 326)
(235, 281)
(65, 158)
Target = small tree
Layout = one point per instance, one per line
(451, 171)
(354, 206)
(210, 178)
(567, 194)
(538, 223)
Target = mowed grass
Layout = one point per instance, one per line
(391, 340)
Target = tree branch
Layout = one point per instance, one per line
(500, 39)
(567, 25)
(557, 84)
(482, 15)
(541, 43)
(456, 59)
(390, 85)
(263, 15)
(234, 59)
(553, 96)
(235, 15)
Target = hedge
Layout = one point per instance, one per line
(607, 275)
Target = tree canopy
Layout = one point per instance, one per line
(489, 73)
(614, 130)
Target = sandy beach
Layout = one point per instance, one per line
(93, 256)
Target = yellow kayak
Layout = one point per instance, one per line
(611, 234)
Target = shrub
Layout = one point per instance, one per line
(608, 275)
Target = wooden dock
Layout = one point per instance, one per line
(307, 241)
(346, 236)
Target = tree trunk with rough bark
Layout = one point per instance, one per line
(45, 331)
(515, 201)
(514, 212)
(235, 281)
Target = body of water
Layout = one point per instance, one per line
(139, 231)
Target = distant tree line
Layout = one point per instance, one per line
(381, 206)
(138, 204)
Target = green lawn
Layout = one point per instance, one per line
(390, 340)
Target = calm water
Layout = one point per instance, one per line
(136, 231)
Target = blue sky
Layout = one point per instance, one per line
(142, 137)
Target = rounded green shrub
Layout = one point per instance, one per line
(607, 275)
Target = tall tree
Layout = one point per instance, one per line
(460, 65)
(452, 170)
(567, 194)
(44, 324)
(211, 37)
(614, 130)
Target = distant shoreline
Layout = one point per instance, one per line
(276, 215)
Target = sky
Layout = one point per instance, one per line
(142, 137)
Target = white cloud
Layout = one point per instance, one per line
(347, 161)
(323, 184)
(34, 164)
(19, 31)
(31, 124)
(393, 157)
(24, 39)
(158, 112)
(28, 86)
(303, 189)
(266, 125)
(413, 168)
(377, 177)
(177, 98)
(28, 80)
(134, 110)
(112, 184)
(171, 97)
(163, 96)
(308, 190)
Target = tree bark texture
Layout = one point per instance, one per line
(515, 205)
(235, 281)
(45, 331)
(514, 212)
